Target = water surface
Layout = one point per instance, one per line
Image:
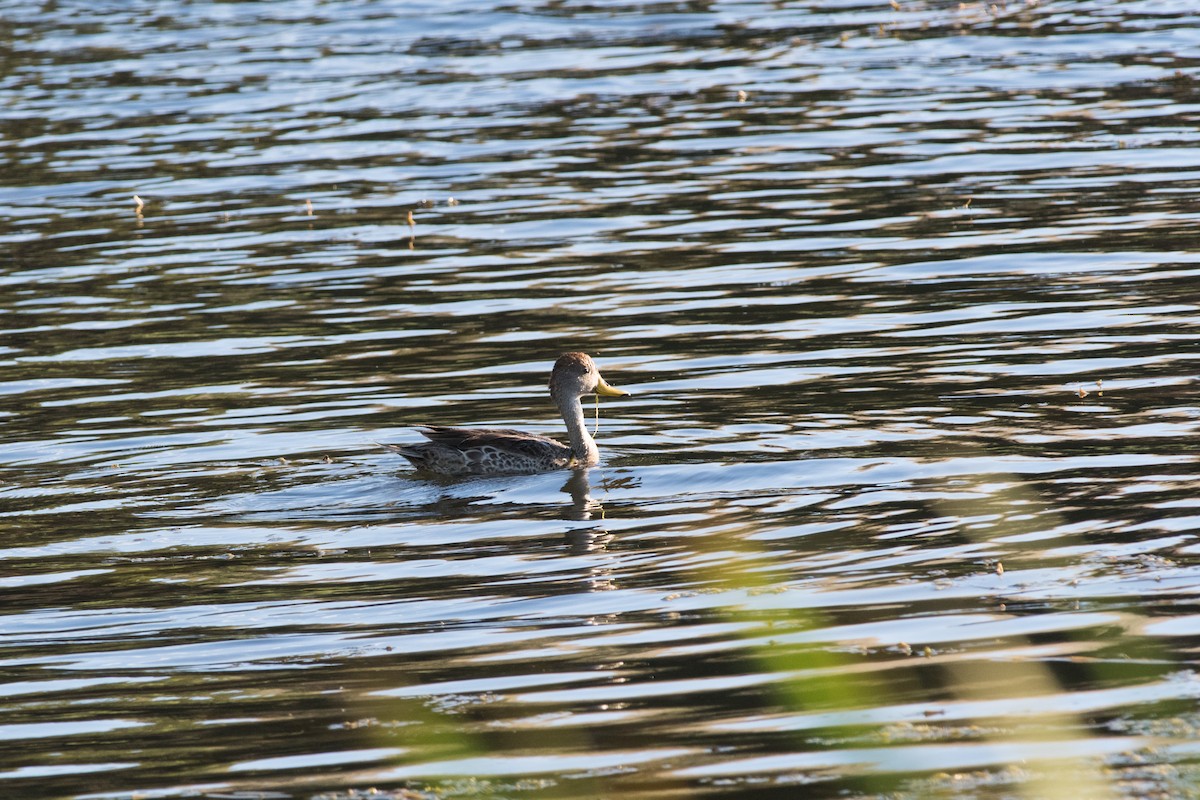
(903, 502)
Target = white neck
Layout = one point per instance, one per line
(582, 445)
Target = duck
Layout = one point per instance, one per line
(500, 451)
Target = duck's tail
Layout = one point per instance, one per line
(412, 452)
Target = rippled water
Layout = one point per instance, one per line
(904, 502)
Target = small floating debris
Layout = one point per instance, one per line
(450, 201)
(308, 206)
(999, 568)
(742, 96)
(138, 205)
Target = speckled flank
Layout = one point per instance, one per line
(528, 455)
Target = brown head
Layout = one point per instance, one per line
(575, 375)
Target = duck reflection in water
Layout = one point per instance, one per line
(584, 508)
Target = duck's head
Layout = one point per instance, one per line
(576, 375)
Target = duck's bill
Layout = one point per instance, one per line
(606, 389)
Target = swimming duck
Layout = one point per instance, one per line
(496, 451)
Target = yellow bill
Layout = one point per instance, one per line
(603, 387)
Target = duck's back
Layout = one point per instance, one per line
(482, 451)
